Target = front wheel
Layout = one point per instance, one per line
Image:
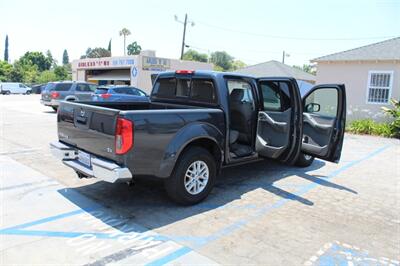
(55, 108)
(304, 160)
(193, 177)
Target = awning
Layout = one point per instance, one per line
(120, 74)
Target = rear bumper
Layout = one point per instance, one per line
(102, 169)
(50, 103)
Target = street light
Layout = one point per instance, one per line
(184, 31)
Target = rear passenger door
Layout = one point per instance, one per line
(324, 116)
(278, 130)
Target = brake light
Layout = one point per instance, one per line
(55, 95)
(123, 136)
(184, 72)
(105, 95)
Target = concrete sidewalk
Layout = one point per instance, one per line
(40, 224)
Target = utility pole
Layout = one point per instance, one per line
(283, 56)
(184, 35)
(184, 32)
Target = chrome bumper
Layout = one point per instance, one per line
(101, 169)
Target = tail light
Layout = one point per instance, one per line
(55, 95)
(123, 136)
(105, 95)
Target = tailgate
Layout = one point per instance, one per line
(89, 128)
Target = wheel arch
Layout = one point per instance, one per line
(201, 135)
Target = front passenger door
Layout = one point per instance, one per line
(324, 116)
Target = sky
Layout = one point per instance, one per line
(251, 31)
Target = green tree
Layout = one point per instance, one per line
(61, 73)
(65, 58)
(96, 53)
(237, 64)
(307, 68)
(6, 49)
(47, 76)
(134, 48)
(193, 55)
(222, 60)
(124, 32)
(50, 59)
(5, 69)
(36, 59)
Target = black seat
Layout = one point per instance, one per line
(241, 111)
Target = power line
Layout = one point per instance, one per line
(293, 38)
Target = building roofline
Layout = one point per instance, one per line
(321, 58)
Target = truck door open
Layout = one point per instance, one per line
(278, 128)
(324, 116)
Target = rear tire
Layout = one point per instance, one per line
(193, 177)
(304, 160)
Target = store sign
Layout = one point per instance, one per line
(100, 63)
(155, 63)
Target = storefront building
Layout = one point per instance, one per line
(138, 70)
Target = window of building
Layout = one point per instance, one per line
(379, 86)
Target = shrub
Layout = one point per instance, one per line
(369, 127)
(394, 112)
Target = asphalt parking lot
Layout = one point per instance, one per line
(259, 214)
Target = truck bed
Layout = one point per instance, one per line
(90, 127)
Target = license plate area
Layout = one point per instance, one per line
(85, 158)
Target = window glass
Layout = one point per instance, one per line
(62, 86)
(203, 90)
(271, 96)
(379, 87)
(165, 88)
(239, 90)
(22, 85)
(182, 87)
(92, 87)
(83, 87)
(101, 91)
(323, 102)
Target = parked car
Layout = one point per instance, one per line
(37, 88)
(54, 92)
(197, 123)
(14, 88)
(119, 94)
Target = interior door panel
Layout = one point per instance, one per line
(273, 133)
(278, 124)
(317, 131)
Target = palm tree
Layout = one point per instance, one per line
(124, 32)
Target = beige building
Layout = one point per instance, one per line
(137, 70)
(371, 74)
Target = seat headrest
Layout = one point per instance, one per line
(237, 95)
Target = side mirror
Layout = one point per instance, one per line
(313, 108)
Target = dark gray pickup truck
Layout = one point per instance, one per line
(197, 123)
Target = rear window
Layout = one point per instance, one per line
(197, 90)
(62, 87)
(101, 91)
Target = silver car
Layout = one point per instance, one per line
(54, 92)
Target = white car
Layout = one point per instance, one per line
(14, 88)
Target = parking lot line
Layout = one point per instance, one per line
(265, 210)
